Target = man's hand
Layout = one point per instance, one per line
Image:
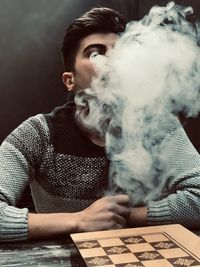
(106, 213)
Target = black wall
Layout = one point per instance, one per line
(31, 34)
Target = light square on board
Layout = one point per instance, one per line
(173, 253)
(123, 258)
(92, 252)
(110, 242)
(158, 263)
(140, 247)
(135, 264)
(155, 237)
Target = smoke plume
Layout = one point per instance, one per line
(152, 74)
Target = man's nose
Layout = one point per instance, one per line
(109, 52)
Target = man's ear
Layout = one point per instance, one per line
(68, 80)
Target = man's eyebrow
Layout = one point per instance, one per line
(100, 46)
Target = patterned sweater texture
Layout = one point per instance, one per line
(67, 172)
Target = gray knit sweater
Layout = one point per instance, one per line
(67, 172)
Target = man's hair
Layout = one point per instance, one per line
(96, 20)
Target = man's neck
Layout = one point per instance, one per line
(92, 135)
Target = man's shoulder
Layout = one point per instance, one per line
(60, 111)
(45, 120)
(36, 123)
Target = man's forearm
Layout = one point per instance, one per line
(104, 214)
(50, 225)
(138, 217)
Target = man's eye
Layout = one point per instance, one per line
(94, 54)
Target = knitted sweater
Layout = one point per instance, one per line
(67, 172)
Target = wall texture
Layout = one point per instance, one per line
(31, 34)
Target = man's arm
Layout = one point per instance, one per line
(104, 214)
(16, 161)
(181, 202)
(13, 179)
(181, 205)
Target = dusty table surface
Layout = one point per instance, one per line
(58, 252)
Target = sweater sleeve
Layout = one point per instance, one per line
(19, 155)
(181, 203)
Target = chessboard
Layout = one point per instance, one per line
(152, 246)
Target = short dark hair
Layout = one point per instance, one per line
(96, 20)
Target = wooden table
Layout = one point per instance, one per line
(55, 253)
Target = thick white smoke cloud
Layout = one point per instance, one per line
(152, 73)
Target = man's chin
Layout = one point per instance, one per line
(83, 120)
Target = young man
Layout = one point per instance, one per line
(66, 164)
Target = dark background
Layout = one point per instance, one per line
(31, 34)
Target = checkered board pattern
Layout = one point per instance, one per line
(125, 248)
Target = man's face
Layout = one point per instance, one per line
(93, 44)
